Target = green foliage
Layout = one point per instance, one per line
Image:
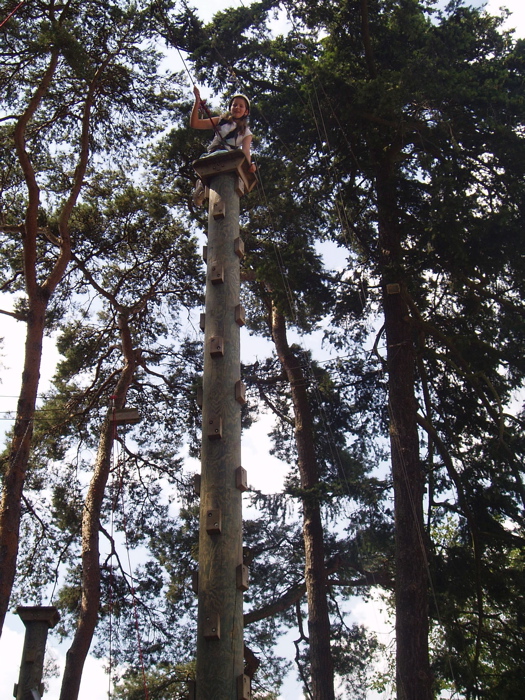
(427, 103)
(135, 260)
(167, 682)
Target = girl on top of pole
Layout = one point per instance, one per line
(231, 131)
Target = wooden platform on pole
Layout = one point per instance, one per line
(222, 162)
(38, 620)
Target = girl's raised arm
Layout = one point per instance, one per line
(195, 121)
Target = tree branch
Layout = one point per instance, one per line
(14, 314)
(367, 44)
(30, 227)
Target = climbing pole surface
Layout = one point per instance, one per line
(222, 578)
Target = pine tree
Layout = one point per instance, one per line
(405, 127)
(79, 83)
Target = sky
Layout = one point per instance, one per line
(268, 478)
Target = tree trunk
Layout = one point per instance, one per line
(15, 474)
(90, 601)
(413, 676)
(321, 662)
(38, 296)
(38, 299)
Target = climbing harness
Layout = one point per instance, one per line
(230, 136)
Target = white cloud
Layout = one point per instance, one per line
(516, 20)
(11, 644)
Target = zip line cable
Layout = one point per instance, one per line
(202, 103)
(11, 13)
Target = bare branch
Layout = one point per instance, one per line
(14, 314)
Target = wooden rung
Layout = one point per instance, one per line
(241, 479)
(240, 187)
(212, 626)
(219, 209)
(216, 346)
(240, 392)
(213, 521)
(238, 247)
(199, 396)
(216, 273)
(240, 315)
(243, 687)
(242, 574)
(126, 416)
(214, 428)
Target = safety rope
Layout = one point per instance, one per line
(202, 103)
(11, 13)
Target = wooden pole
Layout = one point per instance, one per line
(221, 576)
(37, 620)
